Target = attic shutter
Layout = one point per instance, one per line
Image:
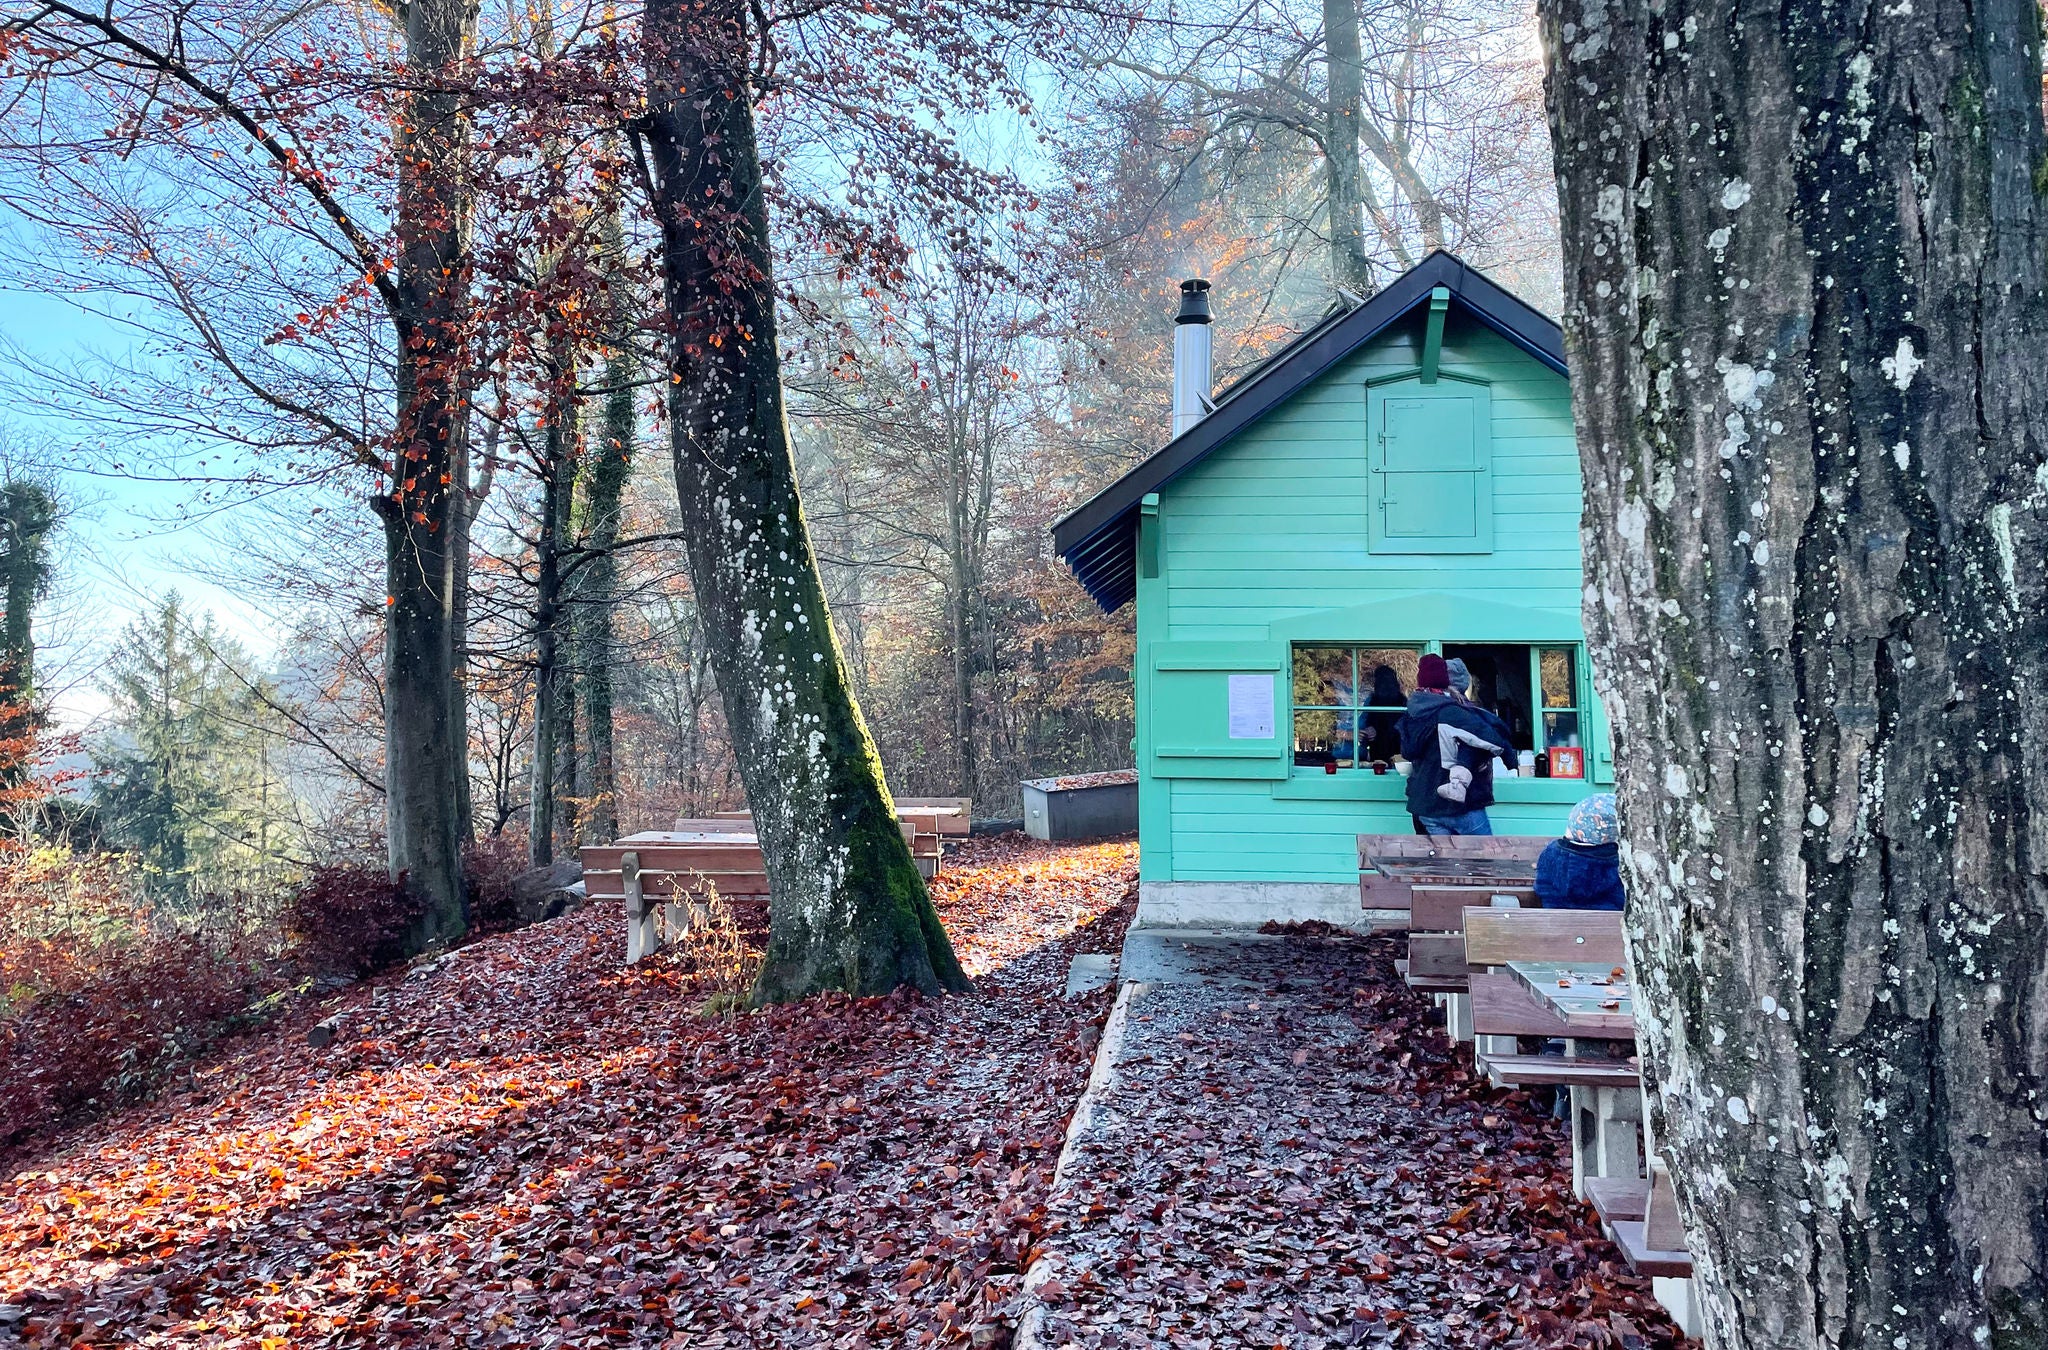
(1432, 468)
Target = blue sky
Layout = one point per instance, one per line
(127, 543)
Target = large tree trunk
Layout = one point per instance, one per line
(597, 586)
(425, 744)
(553, 690)
(1349, 267)
(847, 907)
(1805, 315)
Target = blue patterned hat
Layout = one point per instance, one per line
(1593, 821)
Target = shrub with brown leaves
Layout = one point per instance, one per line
(98, 996)
(350, 920)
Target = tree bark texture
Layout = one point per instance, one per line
(426, 746)
(847, 907)
(1806, 324)
(597, 585)
(554, 747)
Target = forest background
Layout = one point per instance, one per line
(186, 370)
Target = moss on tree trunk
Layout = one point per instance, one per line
(847, 909)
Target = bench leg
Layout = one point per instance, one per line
(1617, 1138)
(1582, 1108)
(642, 939)
(1458, 1017)
(1681, 1299)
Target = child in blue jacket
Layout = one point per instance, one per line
(1583, 869)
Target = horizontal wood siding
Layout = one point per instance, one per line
(1274, 526)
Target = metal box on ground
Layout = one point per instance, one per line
(1081, 806)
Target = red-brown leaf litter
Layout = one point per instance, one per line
(529, 1145)
(1296, 1157)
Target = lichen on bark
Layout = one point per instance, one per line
(1804, 282)
(847, 908)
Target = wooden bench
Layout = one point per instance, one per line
(1640, 1215)
(1464, 860)
(955, 815)
(1606, 1093)
(924, 828)
(665, 878)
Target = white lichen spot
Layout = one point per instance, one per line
(1737, 437)
(1902, 365)
(1834, 1181)
(1738, 1110)
(2008, 557)
(1735, 194)
(1903, 453)
(1633, 520)
(1817, 814)
(1675, 781)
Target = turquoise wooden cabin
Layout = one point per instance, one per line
(1402, 478)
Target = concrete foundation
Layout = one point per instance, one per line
(1247, 904)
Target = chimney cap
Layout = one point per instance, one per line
(1194, 301)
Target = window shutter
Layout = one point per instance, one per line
(1431, 452)
(1205, 700)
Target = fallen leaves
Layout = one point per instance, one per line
(532, 1146)
(1299, 1160)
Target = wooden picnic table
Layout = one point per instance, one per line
(1453, 871)
(1578, 1003)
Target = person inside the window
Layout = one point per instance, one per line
(1583, 869)
(1383, 723)
(1440, 734)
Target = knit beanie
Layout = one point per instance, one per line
(1461, 678)
(1594, 821)
(1432, 673)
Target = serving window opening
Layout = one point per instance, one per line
(1349, 697)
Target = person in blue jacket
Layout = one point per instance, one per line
(1583, 869)
(1440, 735)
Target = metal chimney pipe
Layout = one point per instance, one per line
(1192, 353)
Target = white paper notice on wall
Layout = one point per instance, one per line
(1251, 707)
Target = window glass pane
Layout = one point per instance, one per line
(1564, 756)
(1560, 728)
(1387, 675)
(1560, 685)
(1322, 678)
(1316, 737)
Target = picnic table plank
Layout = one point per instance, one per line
(1575, 992)
(1453, 871)
(1441, 909)
(1503, 1006)
(1536, 1070)
(1494, 937)
(610, 885)
(1437, 957)
(1507, 847)
(1644, 1259)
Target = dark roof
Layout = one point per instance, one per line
(1099, 538)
